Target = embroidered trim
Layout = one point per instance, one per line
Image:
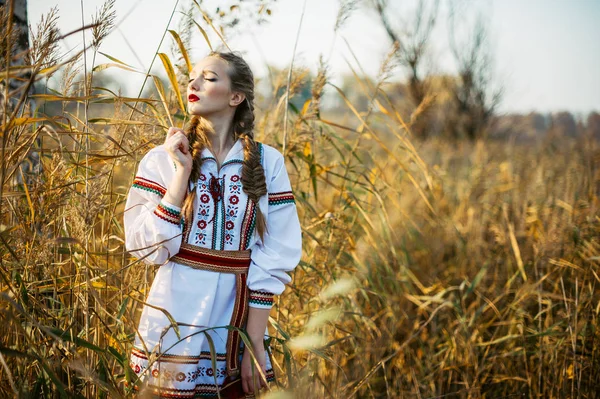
(248, 223)
(168, 214)
(261, 299)
(179, 359)
(238, 319)
(232, 161)
(201, 390)
(280, 198)
(231, 215)
(214, 224)
(148, 185)
(223, 215)
(202, 230)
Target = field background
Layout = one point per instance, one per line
(449, 250)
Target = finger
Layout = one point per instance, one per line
(255, 384)
(184, 147)
(263, 381)
(244, 384)
(177, 137)
(179, 143)
(172, 130)
(248, 383)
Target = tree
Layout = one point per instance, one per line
(593, 125)
(564, 125)
(474, 98)
(14, 36)
(413, 42)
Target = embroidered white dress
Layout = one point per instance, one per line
(154, 232)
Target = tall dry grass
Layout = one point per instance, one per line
(430, 269)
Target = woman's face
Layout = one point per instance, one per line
(209, 89)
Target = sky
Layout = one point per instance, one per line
(546, 52)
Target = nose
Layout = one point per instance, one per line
(195, 84)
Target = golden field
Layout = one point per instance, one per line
(431, 268)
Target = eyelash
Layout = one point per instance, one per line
(210, 80)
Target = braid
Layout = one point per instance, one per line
(196, 134)
(253, 179)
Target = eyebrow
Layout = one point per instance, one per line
(205, 70)
(208, 70)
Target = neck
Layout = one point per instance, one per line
(219, 133)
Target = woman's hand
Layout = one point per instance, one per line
(178, 147)
(247, 362)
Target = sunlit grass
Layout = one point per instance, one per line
(430, 268)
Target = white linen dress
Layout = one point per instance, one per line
(154, 231)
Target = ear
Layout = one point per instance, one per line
(236, 98)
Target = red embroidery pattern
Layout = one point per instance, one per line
(169, 214)
(232, 211)
(261, 299)
(201, 390)
(247, 224)
(280, 198)
(203, 214)
(148, 185)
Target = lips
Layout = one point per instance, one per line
(193, 98)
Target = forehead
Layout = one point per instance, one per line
(212, 64)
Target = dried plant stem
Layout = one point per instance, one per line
(289, 79)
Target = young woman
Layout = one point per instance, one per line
(215, 210)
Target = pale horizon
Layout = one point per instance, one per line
(546, 52)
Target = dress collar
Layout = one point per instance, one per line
(235, 153)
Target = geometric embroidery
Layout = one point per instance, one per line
(148, 185)
(203, 212)
(261, 299)
(280, 198)
(235, 186)
(168, 214)
(248, 224)
(178, 376)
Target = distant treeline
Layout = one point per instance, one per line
(535, 125)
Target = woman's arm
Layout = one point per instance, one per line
(177, 189)
(152, 216)
(255, 327)
(177, 146)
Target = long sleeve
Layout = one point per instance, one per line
(281, 249)
(153, 227)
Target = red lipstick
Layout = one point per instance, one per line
(193, 98)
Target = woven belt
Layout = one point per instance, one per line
(235, 262)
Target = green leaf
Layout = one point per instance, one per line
(122, 308)
(67, 336)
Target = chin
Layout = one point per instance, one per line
(195, 111)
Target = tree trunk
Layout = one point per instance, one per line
(16, 37)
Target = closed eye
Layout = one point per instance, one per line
(209, 79)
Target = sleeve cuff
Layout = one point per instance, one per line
(260, 299)
(168, 212)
